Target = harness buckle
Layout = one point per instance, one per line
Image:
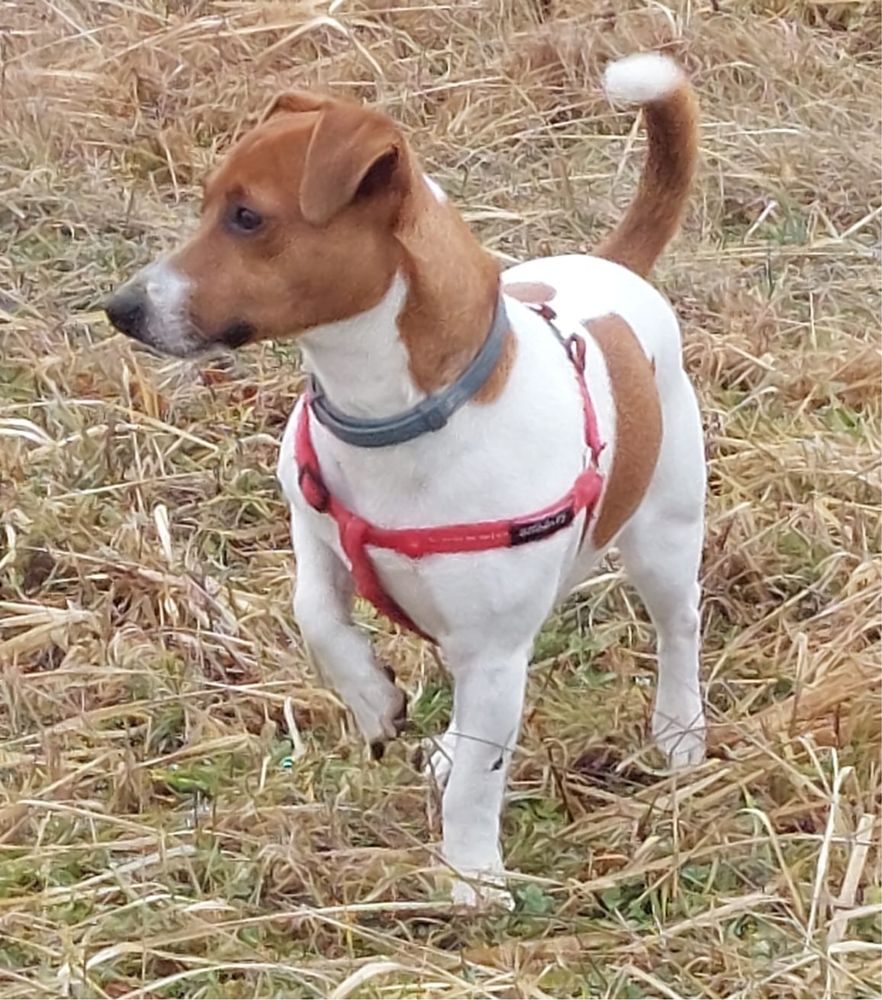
(313, 488)
(576, 350)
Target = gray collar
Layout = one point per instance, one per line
(429, 415)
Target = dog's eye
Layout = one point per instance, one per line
(245, 219)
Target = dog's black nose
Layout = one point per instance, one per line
(126, 310)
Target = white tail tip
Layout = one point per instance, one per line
(640, 78)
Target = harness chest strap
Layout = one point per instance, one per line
(356, 533)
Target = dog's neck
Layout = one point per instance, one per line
(361, 362)
(425, 330)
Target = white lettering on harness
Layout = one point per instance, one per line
(532, 531)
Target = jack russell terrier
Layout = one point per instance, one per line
(472, 443)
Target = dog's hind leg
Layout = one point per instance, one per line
(342, 654)
(661, 549)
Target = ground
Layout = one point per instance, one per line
(184, 811)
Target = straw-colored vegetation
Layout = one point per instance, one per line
(183, 810)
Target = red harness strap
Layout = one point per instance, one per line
(356, 534)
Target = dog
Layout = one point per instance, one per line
(473, 442)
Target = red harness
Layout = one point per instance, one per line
(356, 534)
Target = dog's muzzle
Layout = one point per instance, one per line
(127, 311)
(152, 309)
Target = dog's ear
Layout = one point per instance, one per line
(296, 102)
(353, 153)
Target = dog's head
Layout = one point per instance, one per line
(298, 229)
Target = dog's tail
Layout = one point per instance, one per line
(671, 114)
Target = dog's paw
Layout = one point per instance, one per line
(684, 752)
(481, 892)
(678, 726)
(683, 744)
(380, 711)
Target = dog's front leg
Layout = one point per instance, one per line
(488, 701)
(342, 654)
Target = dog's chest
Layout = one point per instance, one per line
(502, 460)
(498, 460)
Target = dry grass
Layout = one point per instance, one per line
(184, 812)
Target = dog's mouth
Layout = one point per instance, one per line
(237, 334)
(153, 309)
(191, 345)
(180, 339)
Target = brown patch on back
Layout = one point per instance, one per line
(638, 424)
(534, 293)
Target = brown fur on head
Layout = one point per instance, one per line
(298, 229)
(306, 222)
(324, 181)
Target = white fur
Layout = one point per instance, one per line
(361, 362)
(645, 76)
(499, 460)
(167, 326)
(435, 188)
